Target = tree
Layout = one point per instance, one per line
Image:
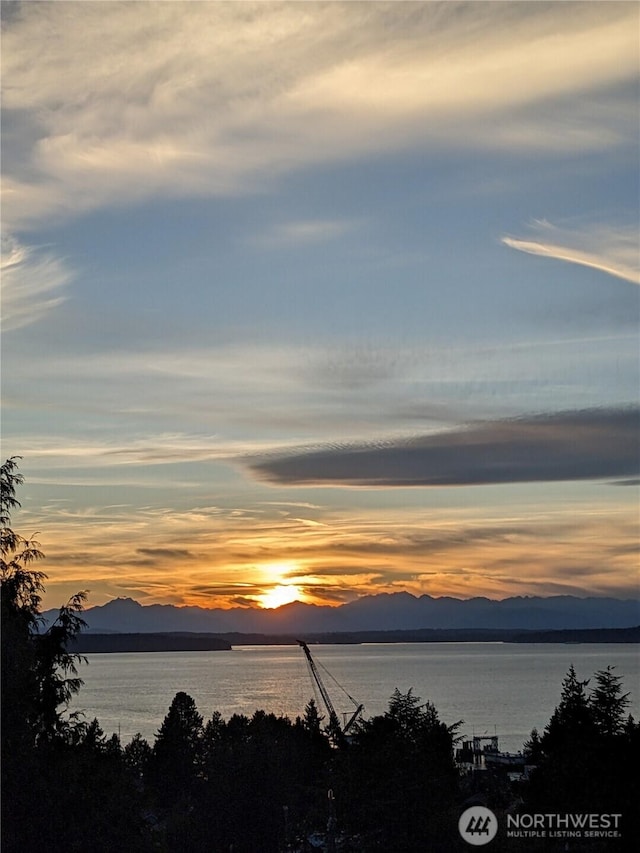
(136, 755)
(21, 588)
(39, 674)
(312, 718)
(533, 747)
(398, 779)
(608, 703)
(63, 783)
(176, 753)
(572, 721)
(587, 756)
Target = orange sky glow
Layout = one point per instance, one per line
(226, 560)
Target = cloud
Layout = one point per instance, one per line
(590, 444)
(611, 250)
(316, 394)
(156, 556)
(303, 232)
(421, 542)
(439, 540)
(213, 589)
(33, 282)
(477, 64)
(114, 103)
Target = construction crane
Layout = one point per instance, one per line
(334, 722)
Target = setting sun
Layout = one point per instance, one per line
(279, 595)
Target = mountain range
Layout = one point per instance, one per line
(383, 612)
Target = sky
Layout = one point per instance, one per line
(319, 300)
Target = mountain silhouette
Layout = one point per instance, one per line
(383, 612)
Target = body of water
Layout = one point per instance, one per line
(495, 688)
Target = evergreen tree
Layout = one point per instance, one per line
(587, 757)
(572, 721)
(312, 718)
(21, 590)
(39, 674)
(533, 747)
(608, 703)
(136, 755)
(398, 781)
(176, 754)
(63, 784)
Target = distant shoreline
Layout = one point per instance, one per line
(89, 643)
(167, 641)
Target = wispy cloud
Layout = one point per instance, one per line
(580, 445)
(116, 96)
(33, 282)
(200, 403)
(611, 250)
(52, 452)
(304, 232)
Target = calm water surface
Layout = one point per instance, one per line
(493, 687)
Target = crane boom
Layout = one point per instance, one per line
(353, 718)
(333, 717)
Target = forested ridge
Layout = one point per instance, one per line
(157, 642)
(96, 643)
(266, 783)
